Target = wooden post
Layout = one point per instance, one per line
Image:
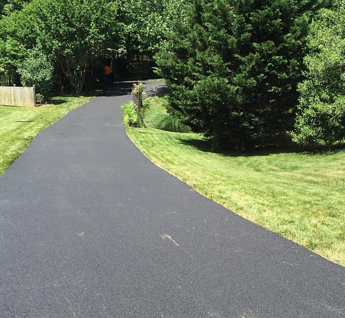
(34, 92)
(138, 102)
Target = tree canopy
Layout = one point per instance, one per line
(147, 23)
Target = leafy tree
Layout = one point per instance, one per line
(75, 32)
(321, 117)
(233, 67)
(71, 33)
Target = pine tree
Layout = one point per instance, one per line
(233, 67)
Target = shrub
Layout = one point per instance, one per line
(40, 99)
(129, 114)
(37, 70)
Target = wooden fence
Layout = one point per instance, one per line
(17, 96)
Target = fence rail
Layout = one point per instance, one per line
(17, 96)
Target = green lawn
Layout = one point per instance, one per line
(299, 195)
(18, 125)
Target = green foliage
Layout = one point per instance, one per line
(233, 67)
(36, 70)
(8, 6)
(129, 114)
(146, 23)
(321, 118)
(40, 99)
(15, 38)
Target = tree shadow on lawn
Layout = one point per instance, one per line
(53, 102)
(205, 145)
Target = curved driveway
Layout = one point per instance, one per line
(89, 228)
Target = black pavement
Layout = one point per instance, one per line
(89, 228)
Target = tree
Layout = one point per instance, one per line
(233, 67)
(71, 33)
(75, 32)
(321, 117)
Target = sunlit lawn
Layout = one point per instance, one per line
(300, 195)
(18, 125)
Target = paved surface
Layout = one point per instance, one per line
(90, 228)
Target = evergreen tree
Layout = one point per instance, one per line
(233, 67)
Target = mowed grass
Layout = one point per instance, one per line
(300, 195)
(19, 125)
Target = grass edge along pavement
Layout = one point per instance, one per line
(299, 195)
(19, 125)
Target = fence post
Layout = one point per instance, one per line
(34, 92)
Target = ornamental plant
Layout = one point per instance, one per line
(138, 89)
(138, 93)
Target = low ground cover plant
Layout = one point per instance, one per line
(129, 114)
(156, 116)
(295, 193)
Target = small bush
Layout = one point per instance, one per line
(129, 114)
(164, 121)
(40, 99)
(37, 70)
